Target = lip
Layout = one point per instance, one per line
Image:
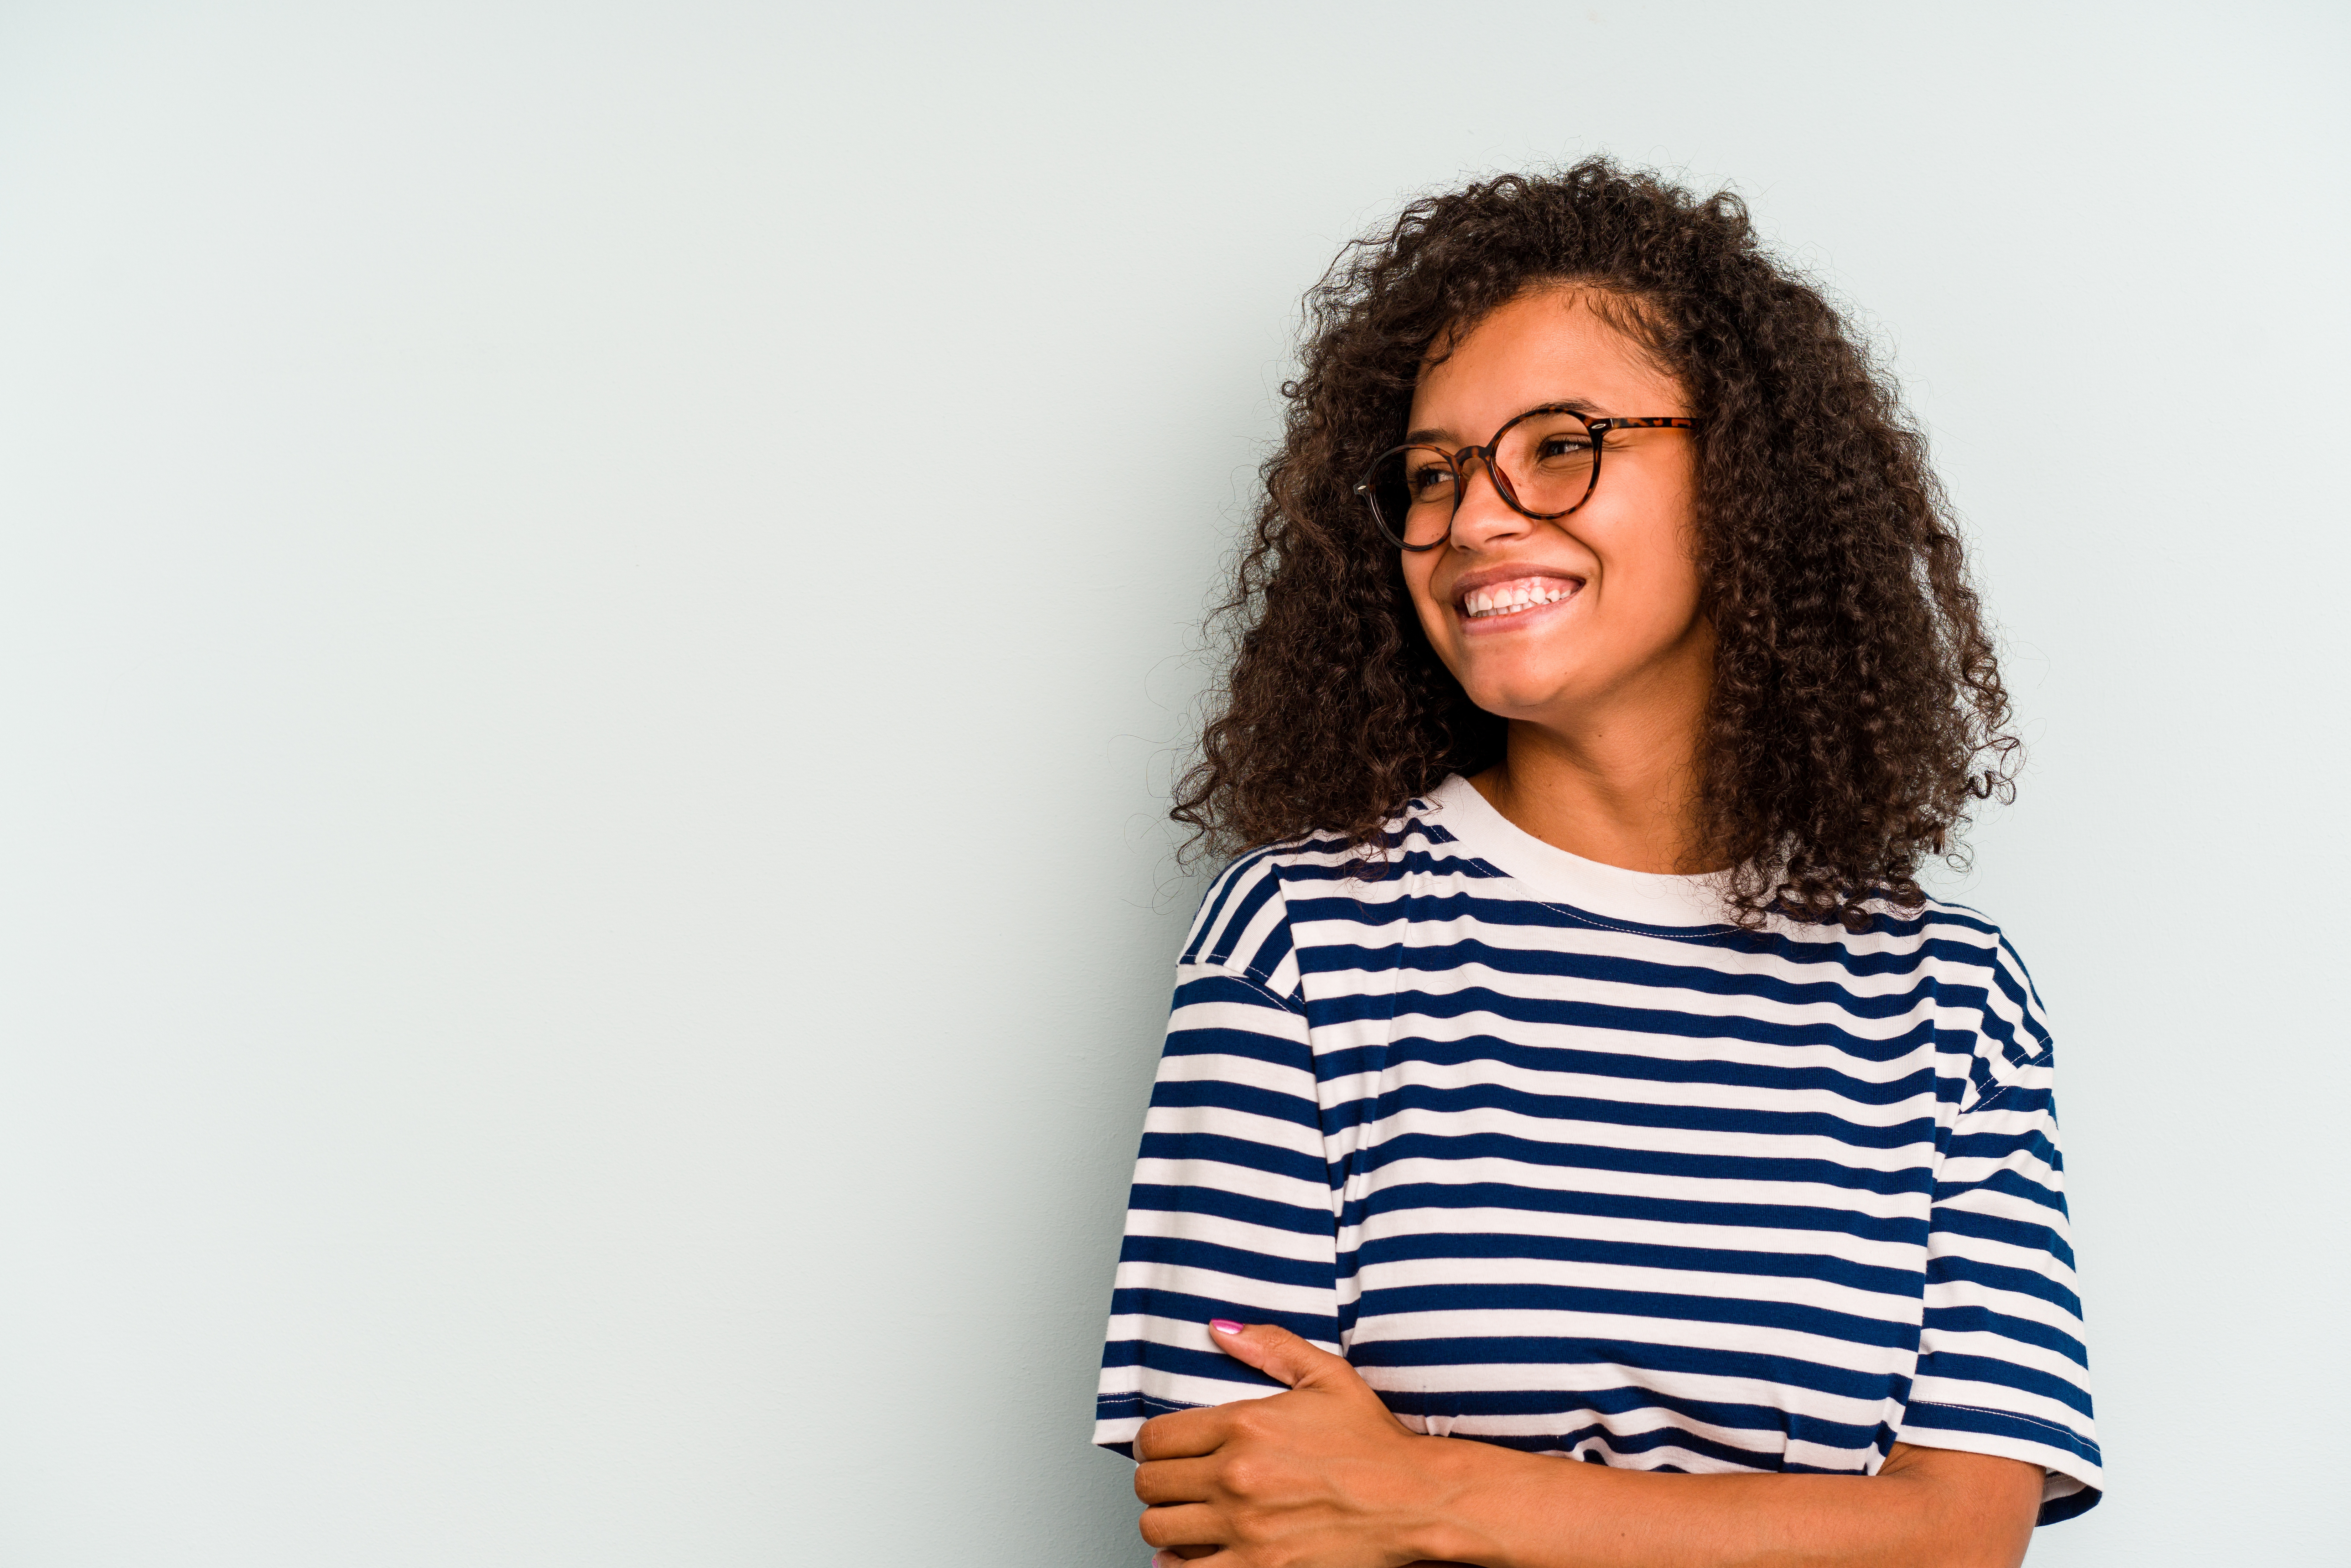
(1486, 577)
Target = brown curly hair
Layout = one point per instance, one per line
(1857, 706)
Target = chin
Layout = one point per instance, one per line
(1523, 699)
(1517, 686)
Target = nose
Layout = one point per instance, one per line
(1482, 519)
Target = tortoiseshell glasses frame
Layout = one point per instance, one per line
(1556, 452)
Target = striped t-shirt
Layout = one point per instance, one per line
(1557, 1159)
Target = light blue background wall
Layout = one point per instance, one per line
(584, 921)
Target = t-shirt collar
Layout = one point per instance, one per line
(1555, 876)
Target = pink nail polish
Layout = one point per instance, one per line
(1224, 1325)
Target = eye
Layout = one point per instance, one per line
(1428, 481)
(1562, 445)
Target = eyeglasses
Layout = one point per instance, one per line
(1545, 464)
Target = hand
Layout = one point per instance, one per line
(1321, 1477)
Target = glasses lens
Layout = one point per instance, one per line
(1549, 458)
(1411, 489)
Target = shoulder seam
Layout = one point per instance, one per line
(1258, 983)
(2048, 1058)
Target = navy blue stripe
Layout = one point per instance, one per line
(2000, 1423)
(1205, 985)
(1647, 1355)
(1577, 1012)
(1184, 1306)
(1192, 1254)
(1212, 906)
(1248, 1381)
(1247, 1098)
(2003, 1374)
(1662, 972)
(1627, 1400)
(1233, 1151)
(1907, 950)
(1897, 1284)
(1922, 1082)
(2019, 1331)
(1678, 1162)
(1746, 1121)
(1950, 1269)
(1265, 1048)
(1631, 1445)
(1405, 1198)
(1270, 951)
(2009, 1232)
(1236, 920)
(1779, 1316)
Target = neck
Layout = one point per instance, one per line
(1620, 789)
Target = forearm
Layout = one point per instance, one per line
(1495, 1508)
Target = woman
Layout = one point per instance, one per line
(1573, 1063)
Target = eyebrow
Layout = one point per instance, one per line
(1572, 404)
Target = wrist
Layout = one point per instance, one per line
(1457, 1513)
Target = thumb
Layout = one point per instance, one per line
(1278, 1354)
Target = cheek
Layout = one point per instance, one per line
(1655, 573)
(1670, 598)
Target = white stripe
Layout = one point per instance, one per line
(1242, 1180)
(1220, 1067)
(1219, 1286)
(1406, 1273)
(1219, 1231)
(1245, 1125)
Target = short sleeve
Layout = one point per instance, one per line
(2003, 1365)
(1230, 1215)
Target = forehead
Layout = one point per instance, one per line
(1545, 347)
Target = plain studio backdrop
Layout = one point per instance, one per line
(596, 606)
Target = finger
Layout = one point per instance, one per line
(1278, 1354)
(1183, 1435)
(1175, 1480)
(1183, 1525)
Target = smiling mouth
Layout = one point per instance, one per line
(1518, 596)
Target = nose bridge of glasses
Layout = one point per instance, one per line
(1492, 463)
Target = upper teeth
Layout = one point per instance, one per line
(1509, 598)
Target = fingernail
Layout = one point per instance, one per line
(1224, 1325)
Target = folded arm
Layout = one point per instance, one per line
(1324, 1477)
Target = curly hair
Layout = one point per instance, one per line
(1856, 707)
